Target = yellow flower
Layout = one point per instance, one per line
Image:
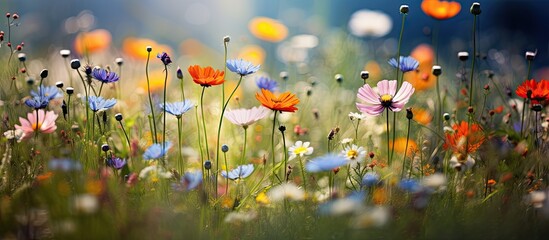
(262, 198)
(156, 80)
(252, 53)
(268, 29)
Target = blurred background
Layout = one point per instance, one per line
(46, 26)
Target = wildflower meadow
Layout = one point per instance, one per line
(397, 120)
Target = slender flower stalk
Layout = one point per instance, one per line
(404, 11)
(204, 123)
(475, 10)
(409, 116)
(166, 60)
(153, 131)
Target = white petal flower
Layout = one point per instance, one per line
(286, 191)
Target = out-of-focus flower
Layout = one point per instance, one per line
(536, 91)
(370, 179)
(92, 41)
(246, 117)
(156, 81)
(16, 134)
(305, 41)
(376, 103)
(157, 151)
(37, 102)
(236, 217)
(462, 140)
(400, 145)
(409, 185)
(536, 198)
(116, 162)
(422, 78)
(461, 163)
(104, 76)
(284, 191)
(406, 64)
(285, 102)
(86, 203)
(241, 67)
(253, 53)
(346, 205)
(189, 181)
(268, 29)
(45, 123)
(325, 163)
(49, 92)
(368, 23)
(440, 10)
(177, 108)
(373, 217)
(434, 182)
(299, 149)
(100, 104)
(135, 47)
(64, 165)
(154, 173)
(207, 76)
(357, 116)
(421, 115)
(165, 58)
(240, 172)
(266, 83)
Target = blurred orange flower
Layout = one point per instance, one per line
(268, 29)
(400, 145)
(156, 80)
(440, 10)
(207, 76)
(374, 69)
(461, 140)
(252, 53)
(136, 47)
(92, 42)
(422, 78)
(422, 116)
(285, 102)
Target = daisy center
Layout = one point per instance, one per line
(386, 100)
(300, 150)
(36, 126)
(352, 154)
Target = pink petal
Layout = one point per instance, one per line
(403, 95)
(371, 110)
(387, 87)
(367, 94)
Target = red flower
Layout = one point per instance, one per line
(536, 91)
(464, 140)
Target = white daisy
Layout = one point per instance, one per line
(299, 149)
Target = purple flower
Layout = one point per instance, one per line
(165, 58)
(376, 103)
(266, 83)
(104, 76)
(370, 179)
(241, 67)
(406, 63)
(116, 163)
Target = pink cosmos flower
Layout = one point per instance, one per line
(375, 103)
(246, 117)
(45, 124)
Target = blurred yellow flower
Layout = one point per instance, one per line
(136, 48)
(92, 41)
(156, 79)
(400, 145)
(252, 53)
(268, 29)
(262, 198)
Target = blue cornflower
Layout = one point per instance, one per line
(192, 179)
(116, 163)
(64, 164)
(241, 67)
(104, 76)
(37, 102)
(409, 185)
(325, 163)
(49, 92)
(99, 103)
(266, 83)
(156, 151)
(406, 63)
(370, 179)
(177, 108)
(165, 58)
(242, 171)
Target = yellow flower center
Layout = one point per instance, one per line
(352, 154)
(386, 100)
(36, 126)
(300, 150)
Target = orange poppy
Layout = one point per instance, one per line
(93, 41)
(440, 10)
(538, 90)
(207, 76)
(284, 103)
(463, 140)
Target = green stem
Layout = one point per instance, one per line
(179, 133)
(227, 169)
(398, 48)
(406, 148)
(100, 88)
(200, 143)
(86, 102)
(303, 173)
(272, 148)
(126, 135)
(388, 138)
(153, 131)
(522, 117)
(471, 88)
(244, 147)
(204, 124)
(164, 112)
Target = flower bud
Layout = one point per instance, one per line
(530, 55)
(487, 87)
(226, 39)
(44, 73)
(8, 15)
(88, 70)
(59, 84)
(470, 110)
(437, 70)
(404, 9)
(224, 148)
(208, 165)
(537, 107)
(179, 73)
(446, 116)
(22, 57)
(282, 128)
(371, 154)
(463, 56)
(15, 16)
(364, 75)
(409, 113)
(75, 64)
(475, 8)
(284, 76)
(149, 48)
(118, 117)
(70, 90)
(119, 61)
(339, 78)
(105, 147)
(65, 53)
(30, 81)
